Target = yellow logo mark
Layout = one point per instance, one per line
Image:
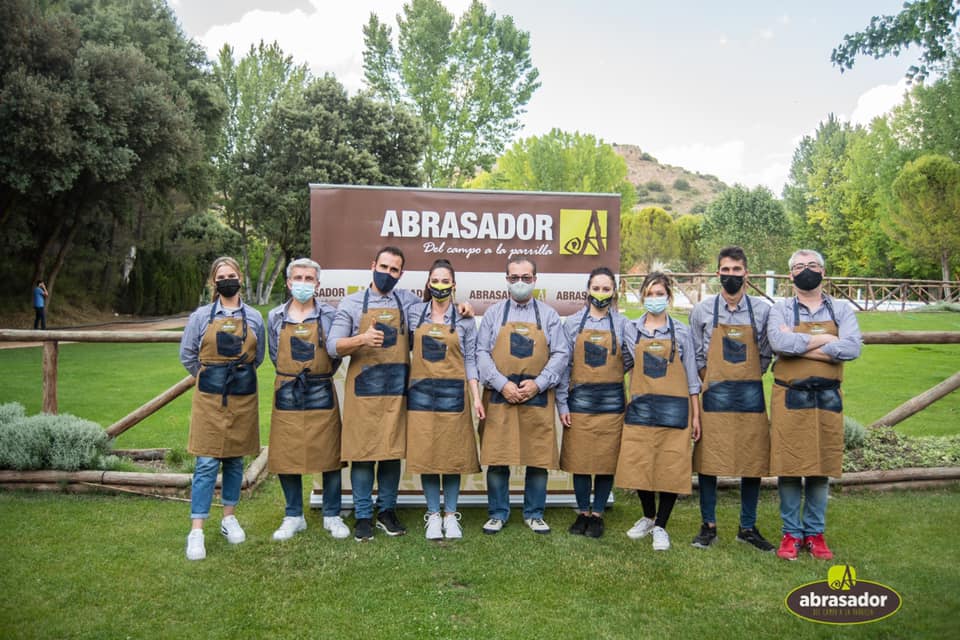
(229, 326)
(540, 294)
(734, 333)
(354, 288)
(301, 330)
(655, 346)
(583, 232)
(817, 329)
(385, 315)
(841, 577)
(522, 330)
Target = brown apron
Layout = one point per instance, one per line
(519, 434)
(374, 416)
(305, 422)
(655, 447)
(735, 431)
(807, 411)
(591, 443)
(440, 434)
(224, 415)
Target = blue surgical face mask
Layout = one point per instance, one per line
(302, 291)
(655, 305)
(384, 281)
(520, 290)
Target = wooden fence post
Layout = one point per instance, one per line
(50, 349)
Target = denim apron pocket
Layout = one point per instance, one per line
(301, 350)
(654, 410)
(381, 380)
(594, 355)
(433, 350)
(734, 396)
(600, 397)
(654, 366)
(305, 393)
(521, 346)
(389, 334)
(441, 395)
(228, 344)
(734, 351)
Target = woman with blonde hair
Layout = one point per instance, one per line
(222, 345)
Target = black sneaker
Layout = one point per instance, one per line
(706, 537)
(387, 520)
(752, 536)
(594, 527)
(579, 526)
(363, 529)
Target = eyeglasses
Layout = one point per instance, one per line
(800, 266)
(515, 279)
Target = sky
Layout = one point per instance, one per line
(722, 88)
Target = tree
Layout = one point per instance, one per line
(690, 239)
(928, 24)
(928, 189)
(647, 237)
(468, 82)
(322, 135)
(753, 219)
(252, 86)
(929, 118)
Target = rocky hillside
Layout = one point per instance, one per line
(671, 188)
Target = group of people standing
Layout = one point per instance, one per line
(420, 370)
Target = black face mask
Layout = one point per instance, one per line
(808, 280)
(731, 284)
(384, 281)
(228, 287)
(598, 303)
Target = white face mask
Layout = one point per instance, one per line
(521, 291)
(655, 305)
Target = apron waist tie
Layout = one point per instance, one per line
(810, 384)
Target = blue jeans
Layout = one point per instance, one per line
(431, 491)
(498, 492)
(292, 485)
(813, 491)
(361, 483)
(581, 489)
(205, 481)
(749, 497)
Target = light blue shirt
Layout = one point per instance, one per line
(626, 335)
(278, 317)
(552, 327)
(685, 348)
(466, 332)
(197, 327)
(849, 340)
(701, 325)
(346, 323)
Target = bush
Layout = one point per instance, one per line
(10, 412)
(680, 184)
(854, 433)
(653, 185)
(62, 442)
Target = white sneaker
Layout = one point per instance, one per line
(493, 525)
(434, 526)
(195, 548)
(537, 525)
(291, 526)
(640, 528)
(232, 530)
(451, 526)
(661, 539)
(336, 526)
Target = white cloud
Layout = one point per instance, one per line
(878, 101)
(766, 34)
(727, 161)
(329, 38)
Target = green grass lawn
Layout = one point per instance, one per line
(113, 567)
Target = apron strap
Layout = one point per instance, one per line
(243, 316)
(536, 311)
(673, 336)
(396, 297)
(826, 303)
(753, 320)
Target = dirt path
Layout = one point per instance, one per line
(158, 324)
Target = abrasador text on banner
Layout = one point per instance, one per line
(567, 234)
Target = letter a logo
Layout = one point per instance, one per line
(583, 232)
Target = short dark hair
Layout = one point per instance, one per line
(391, 250)
(517, 260)
(602, 271)
(734, 252)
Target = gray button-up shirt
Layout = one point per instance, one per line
(278, 317)
(347, 321)
(197, 325)
(684, 348)
(701, 325)
(626, 335)
(846, 347)
(552, 327)
(466, 332)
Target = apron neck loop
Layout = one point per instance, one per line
(796, 310)
(536, 311)
(613, 333)
(396, 297)
(243, 316)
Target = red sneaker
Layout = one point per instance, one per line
(817, 547)
(789, 546)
